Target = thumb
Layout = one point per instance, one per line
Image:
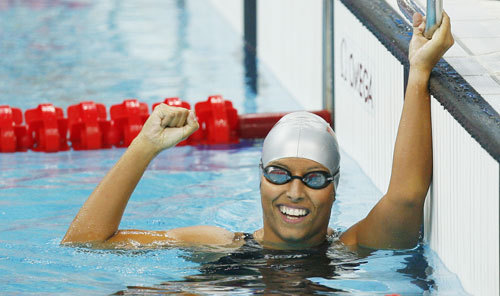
(418, 23)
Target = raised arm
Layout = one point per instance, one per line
(100, 216)
(396, 219)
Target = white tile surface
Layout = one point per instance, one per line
(496, 78)
(476, 54)
(471, 10)
(467, 66)
(476, 29)
(494, 101)
(492, 6)
(484, 85)
(456, 51)
(480, 46)
(491, 62)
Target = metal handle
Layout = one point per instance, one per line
(434, 13)
(408, 8)
(434, 17)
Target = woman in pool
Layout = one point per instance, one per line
(300, 173)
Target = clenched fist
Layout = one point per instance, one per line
(167, 126)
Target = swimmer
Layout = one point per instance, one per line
(299, 176)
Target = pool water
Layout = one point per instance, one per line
(65, 52)
(41, 194)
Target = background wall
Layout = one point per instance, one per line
(289, 41)
(232, 11)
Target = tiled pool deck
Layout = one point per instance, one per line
(476, 53)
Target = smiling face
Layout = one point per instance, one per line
(295, 216)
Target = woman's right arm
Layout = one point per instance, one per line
(100, 216)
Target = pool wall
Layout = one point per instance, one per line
(296, 58)
(462, 209)
(232, 11)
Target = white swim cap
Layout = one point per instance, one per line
(305, 135)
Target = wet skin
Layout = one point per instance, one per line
(283, 231)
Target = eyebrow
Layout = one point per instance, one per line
(277, 163)
(317, 168)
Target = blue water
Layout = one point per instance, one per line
(184, 186)
(68, 51)
(65, 52)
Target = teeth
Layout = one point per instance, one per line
(292, 211)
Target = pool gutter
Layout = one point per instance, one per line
(449, 88)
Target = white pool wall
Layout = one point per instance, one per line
(368, 97)
(462, 210)
(461, 221)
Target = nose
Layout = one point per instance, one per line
(295, 190)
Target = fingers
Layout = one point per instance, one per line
(191, 126)
(442, 37)
(171, 116)
(182, 118)
(167, 126)
(444, 31)
(417, 19)
(445, 24)
(424, 53)
(191, 121)
(418, 24)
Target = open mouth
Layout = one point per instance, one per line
(293, 215)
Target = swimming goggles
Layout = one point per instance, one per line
(279, 176)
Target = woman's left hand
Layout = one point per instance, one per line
(425, 53)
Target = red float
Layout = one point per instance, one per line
(49, 127)
(175, 102)
(88, 127)
(13, 135)
(255, 126)
(218, 122)
(127, 121)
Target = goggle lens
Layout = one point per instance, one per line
(280, 176)
(315, 180)
(277, 175)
